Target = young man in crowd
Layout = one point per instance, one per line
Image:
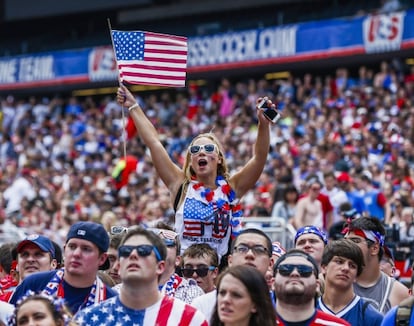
(200, 262)
(311, 240)
(383, 291)
(113, 270)
(342, 262)
(251, 247)
(170, 282)
(142, 256)
(85, 253)
(296, 284)
(34, 254)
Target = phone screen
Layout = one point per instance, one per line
(271, 114)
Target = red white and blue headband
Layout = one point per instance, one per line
(374, 236)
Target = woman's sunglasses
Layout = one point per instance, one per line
(142, 250)
(208, 149)
(287, 269)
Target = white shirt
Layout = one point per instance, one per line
(19, 189)
(206, 303)
(6, 310)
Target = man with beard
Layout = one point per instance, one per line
(296, 285)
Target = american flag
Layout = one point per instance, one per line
(147, 58)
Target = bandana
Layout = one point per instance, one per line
(313, 230)
(370, 235)
(277, 249)
(54, 287)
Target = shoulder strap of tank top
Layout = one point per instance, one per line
(387, 294)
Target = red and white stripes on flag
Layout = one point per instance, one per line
(147, 58)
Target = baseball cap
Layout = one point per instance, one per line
(366, 175)
(39, 240)
(344, 177)
(93, 232)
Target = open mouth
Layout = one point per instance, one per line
(202, 162)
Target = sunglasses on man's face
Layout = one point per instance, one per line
(201, 271)
(142, 251)
(208, 148)
(303, 270)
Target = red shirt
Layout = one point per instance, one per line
(319, 318)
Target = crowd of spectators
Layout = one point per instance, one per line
(60, 157)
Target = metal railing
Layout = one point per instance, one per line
(276, 228)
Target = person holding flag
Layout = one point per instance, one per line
(206, 197)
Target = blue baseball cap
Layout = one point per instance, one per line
(93, 232)
(39, 240)
(90, 231)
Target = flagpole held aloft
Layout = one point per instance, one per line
(122, 107)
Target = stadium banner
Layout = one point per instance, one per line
(256, 47)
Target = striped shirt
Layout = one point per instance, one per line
(166, 312)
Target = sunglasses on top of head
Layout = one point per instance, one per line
(118, 229)
(207, 148)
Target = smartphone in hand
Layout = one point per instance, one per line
(270, 113)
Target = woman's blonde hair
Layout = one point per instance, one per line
(222, 168)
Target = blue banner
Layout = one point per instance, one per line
(273, 45)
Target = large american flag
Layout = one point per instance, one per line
(147, 58)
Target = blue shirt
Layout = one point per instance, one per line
(358, 312)
(74, 297)
(391, 315)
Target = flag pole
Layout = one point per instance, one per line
(120, 82)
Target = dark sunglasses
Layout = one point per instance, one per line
(142, 250)
(303, 270)
(244, 249)
(208, 148)
(201, 271)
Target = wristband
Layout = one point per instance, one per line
(133, 107)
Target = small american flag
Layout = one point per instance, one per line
(147, 58)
